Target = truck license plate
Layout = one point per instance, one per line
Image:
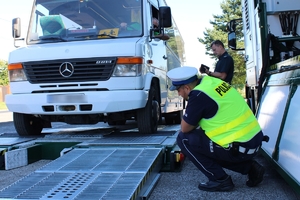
(66, 98)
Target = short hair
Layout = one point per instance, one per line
(217, 42)
(194, 83)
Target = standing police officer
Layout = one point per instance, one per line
(218, 130)
(225, 65)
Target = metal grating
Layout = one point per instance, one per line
(128, 140)
(112, 186)
(25, 184)
(71, 186)
(95, 173)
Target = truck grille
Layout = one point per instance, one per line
(73, 70)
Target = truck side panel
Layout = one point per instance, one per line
(278, 115)
(272, 54)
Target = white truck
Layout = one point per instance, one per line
(272, 55)
(90, 61)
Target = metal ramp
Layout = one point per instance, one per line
(92, 173)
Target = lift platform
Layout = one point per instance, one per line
(92, 164)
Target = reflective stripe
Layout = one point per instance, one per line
(242, 149)
(230, 125)
(250, 151)
(250, 128)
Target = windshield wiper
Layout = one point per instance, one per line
(99, 35)
(52, 37)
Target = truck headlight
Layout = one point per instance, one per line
(128, 66)
(128, 70)
(16, 72)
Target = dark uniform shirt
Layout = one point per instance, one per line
(225, 64)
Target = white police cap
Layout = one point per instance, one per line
(182, 76)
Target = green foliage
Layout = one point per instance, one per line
(3, 73)
(231, 9)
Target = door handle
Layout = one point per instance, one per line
(165, 57)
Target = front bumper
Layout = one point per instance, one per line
(71, 103)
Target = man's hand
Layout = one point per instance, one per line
(203, 69)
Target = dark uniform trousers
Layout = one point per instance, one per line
(211, 158)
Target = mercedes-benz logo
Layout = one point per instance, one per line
(66, 69)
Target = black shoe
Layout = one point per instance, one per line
(255, 175)
(218, 185)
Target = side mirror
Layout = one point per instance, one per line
(165, 17)
(231, 28)
(232, 40)
(16, 27)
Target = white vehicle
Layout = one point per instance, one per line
(272, 55)
(90, 61)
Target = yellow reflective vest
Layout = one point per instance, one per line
(234, 120)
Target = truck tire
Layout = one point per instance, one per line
(26, 124)
(149, 116)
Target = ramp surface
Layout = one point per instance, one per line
(94, 173)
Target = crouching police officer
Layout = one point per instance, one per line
(218, 130)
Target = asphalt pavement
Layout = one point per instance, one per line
(178, 185)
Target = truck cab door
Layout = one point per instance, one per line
(159, 66)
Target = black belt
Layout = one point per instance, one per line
(235, 148)
(248, 151)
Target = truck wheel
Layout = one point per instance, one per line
(149, 116)
(26, 124)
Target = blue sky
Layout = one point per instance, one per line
(9, 10)
(191, 16)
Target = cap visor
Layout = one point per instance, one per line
(172, 88)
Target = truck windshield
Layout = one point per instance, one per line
(69, 20)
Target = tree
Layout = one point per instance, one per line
(3, 73)
(231, 9)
